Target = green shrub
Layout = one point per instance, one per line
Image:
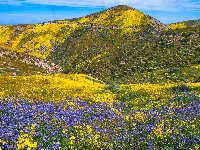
(112, 87)
(181, 88)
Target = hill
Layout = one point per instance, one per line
(36, 40)
(77, 111)
(192, 23)
(112, 45)
(109, 54)
(121, 16)
(184, 24)
(13, 63)
(40, 39)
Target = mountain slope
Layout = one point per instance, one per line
(36, 40)
(111, 45)
(12, 63)
(40, 39)
(192, 23)
(184, 24)
(122, 16)
(111, 55)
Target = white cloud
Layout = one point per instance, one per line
(165, 5)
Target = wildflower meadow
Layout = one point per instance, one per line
(117, 79)
(80, 112)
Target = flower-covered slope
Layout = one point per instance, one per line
(36, 40)
(79, 112)
(40, 39)
(122, 16)
(184, 24)
(176, 26)
(117, 55)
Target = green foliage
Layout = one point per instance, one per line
(181, 88)
(169, 75)
(110, 55)
(180, 99)
(112, 87)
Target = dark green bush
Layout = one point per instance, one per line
(181, 88)
(173, 70)
(112, 87)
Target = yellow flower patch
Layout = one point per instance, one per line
(54, 87)
(26, 141)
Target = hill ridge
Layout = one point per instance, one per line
(184, 24)
(121, 16)
(111, 45)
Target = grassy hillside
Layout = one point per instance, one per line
(112, 55)
(13, 63)
(41, 39)
(36, 40)
(184, 24)
(121, 16)
(58, 87)
(113, 45)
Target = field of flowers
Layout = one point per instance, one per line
(128, 82)
(76, 111)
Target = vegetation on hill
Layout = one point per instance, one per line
(184, 24)
(113, 45)
(192, 23)
(13, 63)
(36, 40)
(128, 83)
(174, 26)
(112, 55)
(40, 39)
(121, 16)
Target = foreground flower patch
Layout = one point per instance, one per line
(76, 124)
(55, 87)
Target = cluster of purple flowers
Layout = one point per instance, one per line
(171, 126)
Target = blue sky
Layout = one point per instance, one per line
(38, 11)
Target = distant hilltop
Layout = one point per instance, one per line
(184, 24)
(120, 16)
